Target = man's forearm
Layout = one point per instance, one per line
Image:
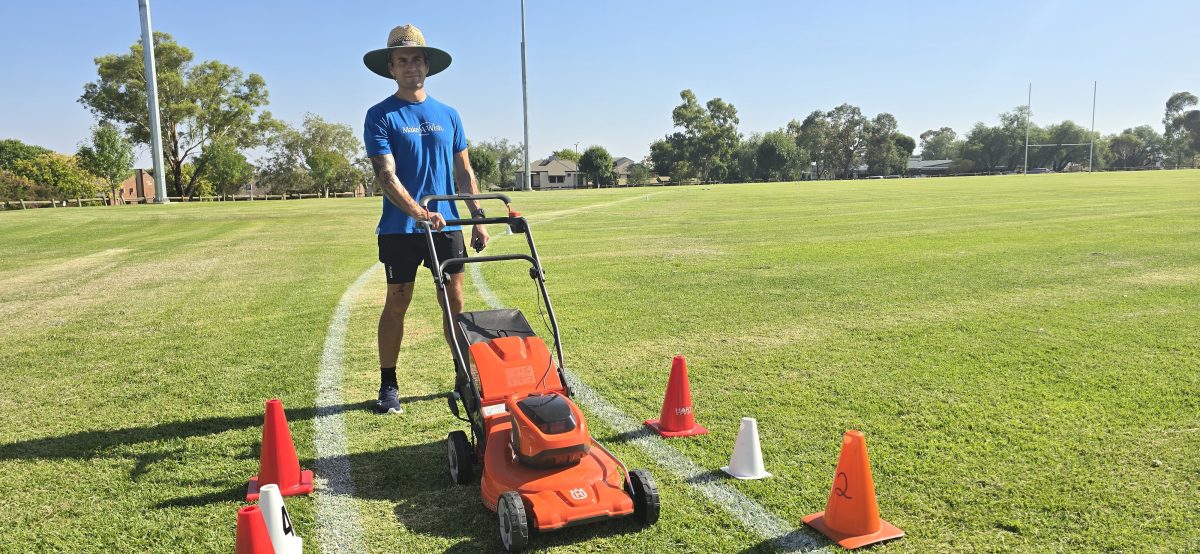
(464, 183)
(389, 183)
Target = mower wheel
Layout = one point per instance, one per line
(645, 497)
(514, 526)
(460, 456)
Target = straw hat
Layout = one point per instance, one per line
(405, 37)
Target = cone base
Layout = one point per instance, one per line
(763, 475)
(887, 531)
(657, 426)
(305, 486)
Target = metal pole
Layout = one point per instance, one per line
(1092, 146)
(160, 181)
(525, 100)
(1028, 109)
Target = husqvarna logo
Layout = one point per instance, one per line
(578, 494)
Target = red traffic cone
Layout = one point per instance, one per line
(676, 419)
(851, 517)
(277, 462)
(252, 537)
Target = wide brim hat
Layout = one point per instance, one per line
(406, 37)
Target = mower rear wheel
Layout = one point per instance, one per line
(514, 526)
(645, 497)
(460, 457)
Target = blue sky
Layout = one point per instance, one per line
(609, 72)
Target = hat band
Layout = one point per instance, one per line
(405, 43)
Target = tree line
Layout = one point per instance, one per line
(843, 142)
(212, 113)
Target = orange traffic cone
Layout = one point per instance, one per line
(676, 419)
(252, 537)
(851, 517)
(277, 462)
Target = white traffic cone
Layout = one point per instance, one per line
(279, 524)
(747, 462)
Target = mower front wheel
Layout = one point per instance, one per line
(514, 525)
(645, 497)
(460, 457)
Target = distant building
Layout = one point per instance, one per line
(917, 166)
(621, 170)
(139, 188)
(553, 173)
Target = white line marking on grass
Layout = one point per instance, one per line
(338, 527)
(781, 533)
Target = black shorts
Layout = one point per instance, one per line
(400, 254)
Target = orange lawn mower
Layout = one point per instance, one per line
(541, 469)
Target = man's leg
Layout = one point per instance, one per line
(391, 334)
(391, 322)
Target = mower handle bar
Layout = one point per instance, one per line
(481, 259)
(425, 200)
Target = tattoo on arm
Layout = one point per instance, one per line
(385, 176)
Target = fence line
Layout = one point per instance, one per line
(22, 204)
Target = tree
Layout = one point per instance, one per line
(228, 171)
(880, 152)
(485, 164)
(1056, 155)
(1001, 147)
(596, 164)
(745, 159)
(777, 156)
(812, 137)
(317, 157)
(17, 187)
(565, 154)
(13, 150)
(847, 138)
(667, 160)
(60, 172)
(935, 145)
(639, 174)
(110, 156)
(904, 150)
(704, 146)
(509, 160)
(198, 103)
(1181, 127)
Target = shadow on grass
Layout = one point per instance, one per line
(85, 445)
(414, 478)
(802, 539)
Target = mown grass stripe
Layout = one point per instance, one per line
(338, 526)
(750, 513)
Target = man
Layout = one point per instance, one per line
(418, 148)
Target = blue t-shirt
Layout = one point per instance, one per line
(423, 138)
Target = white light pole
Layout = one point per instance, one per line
(525, 99)
(1028, 107)
(160, 181)
(1092, 146)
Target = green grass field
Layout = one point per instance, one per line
(1023, 354)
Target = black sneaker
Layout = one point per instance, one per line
(389, 400)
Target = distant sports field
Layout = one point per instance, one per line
(1022, 353)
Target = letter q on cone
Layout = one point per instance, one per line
(851, 517)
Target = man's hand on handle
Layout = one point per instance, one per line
(435, 220)
(479, 238)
